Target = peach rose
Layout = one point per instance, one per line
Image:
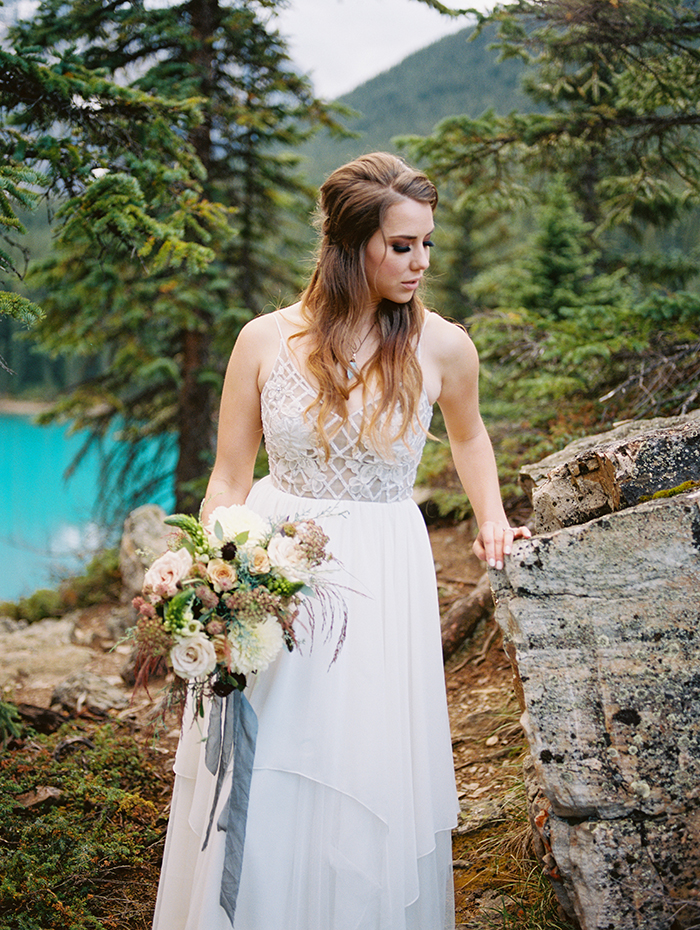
(222, 575)
(259, 561)
(289, 558)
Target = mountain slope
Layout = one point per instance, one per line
(452, 76)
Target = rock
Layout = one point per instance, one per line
(119, 620)
(86, 691)
(145, 537)
(631, 872)
(9, 625)
(602, 620)
(103, 626)
(608, 472)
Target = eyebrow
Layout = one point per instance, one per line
(410, 238)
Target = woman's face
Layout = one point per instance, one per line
(397, 255)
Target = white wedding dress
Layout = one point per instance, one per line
(352, 797)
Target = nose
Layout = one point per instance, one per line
(421, 258)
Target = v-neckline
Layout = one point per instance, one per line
(312, 389)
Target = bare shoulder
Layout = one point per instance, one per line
(260, 327)
(263, 332)
(447, 344)
(258, 343)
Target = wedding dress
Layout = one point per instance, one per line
(352, 797)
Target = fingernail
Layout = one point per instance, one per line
(492, 563)
(499, 565)
(506, 550)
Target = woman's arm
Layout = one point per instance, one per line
(240, 427)
(456, 362)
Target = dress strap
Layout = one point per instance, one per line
(284, 345)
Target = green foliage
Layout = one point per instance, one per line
(604, 168)
(436, 473)
(43, 603)
(101, 581)
(557, 328)
(15, 193)
(71, 860)
(617, 81)
(10, 723)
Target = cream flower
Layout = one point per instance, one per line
(259, 561)
(254, 645)
(289, 558)
(193, 657)
(227, 523)
(161, 579)
(222, 575)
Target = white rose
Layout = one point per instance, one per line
(226, 523)
(255, 645)
(193, 657)
(168, 569)
(287, 556)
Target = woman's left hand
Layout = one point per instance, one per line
(495, 541)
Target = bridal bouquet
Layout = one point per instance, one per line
(224, 600)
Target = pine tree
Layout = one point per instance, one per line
(165, 337)
(617, 85)
(56, 120)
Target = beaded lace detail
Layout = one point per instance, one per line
(354, 470)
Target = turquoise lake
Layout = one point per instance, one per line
(47, 522)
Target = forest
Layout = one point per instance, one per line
(159, 167)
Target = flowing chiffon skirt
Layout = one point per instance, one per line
(352, 796)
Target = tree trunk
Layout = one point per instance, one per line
(194, 421)
(195, 401)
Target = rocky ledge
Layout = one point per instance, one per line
(601, 623)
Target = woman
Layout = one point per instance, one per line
(352, 798)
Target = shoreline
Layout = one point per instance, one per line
(23, 408)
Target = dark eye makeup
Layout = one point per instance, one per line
(407, 248)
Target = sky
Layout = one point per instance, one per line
(342, 43)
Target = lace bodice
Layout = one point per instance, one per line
(354, 470)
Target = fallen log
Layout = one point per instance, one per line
(464, 615)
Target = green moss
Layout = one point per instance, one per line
(670, 492)
(89, 858)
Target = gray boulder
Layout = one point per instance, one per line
(145, 537)
(602, 623)
(608, 472)
(87, 691)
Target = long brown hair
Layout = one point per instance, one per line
(353, 204)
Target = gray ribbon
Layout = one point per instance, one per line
(237, 736)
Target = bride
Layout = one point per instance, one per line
(352, 798)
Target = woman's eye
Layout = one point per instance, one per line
(428, 244)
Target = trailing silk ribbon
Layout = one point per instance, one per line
(236, 736)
